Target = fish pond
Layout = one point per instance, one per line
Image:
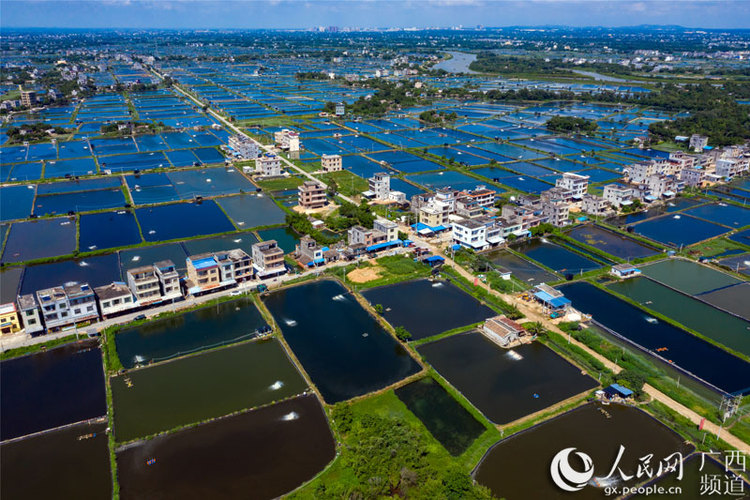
(196, 388)
(445, 418)
(49, 465)
(344, 349)
(556, 257)
(190, 332)
(67, 384)
(505, 384)
(611, 242)
(260, 454)
(724, 328)
(522, 269)
(508, 468)
(694, 355)
(40, 239)
(678, 230)
(426, 308)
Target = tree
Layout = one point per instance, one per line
(402, 334)
(535, 328)
(379, 308)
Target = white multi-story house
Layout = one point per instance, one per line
(115, 298)
(30, 314)
(331, 163)
(287, 140)
(268, 165)
(576, 184)
(693, 177)
(618, 195)
(67, 305)
(594, 205)
(387, 227)
(268, 259)
(698, 142)
(243, 147)
(478, 234)
(379, 186)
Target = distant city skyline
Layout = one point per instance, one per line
(298, 14)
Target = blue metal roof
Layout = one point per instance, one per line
(204, 263)
(381, 246)
(623, 391)
(435, 258)
(553, 301)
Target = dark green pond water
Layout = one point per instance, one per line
(57, 465)
(519, 467)
(259, 454)
(207, 327)
(200, 387)
(344, 349)
(427, 308)
(444, 417)
(710, 322)
(505, 385)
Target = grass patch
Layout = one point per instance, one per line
(391, 269)
(348, 183)
(281, 184)
(387, 451)
(30, 349)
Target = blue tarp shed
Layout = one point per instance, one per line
(387, 244)
(435, 259)
(550, 301)
(618, 390)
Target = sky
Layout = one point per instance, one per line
(254, 14)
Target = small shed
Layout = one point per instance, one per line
(617, 391)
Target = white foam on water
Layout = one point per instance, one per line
(677, 217)
(152, 232)
(92, 247)
(208, 180)
(139, 359)
(514, 355)
(293, 415)
(651, 320)
(437, 285)
(365, 334)
(290, 322)
(136, 258)
(83, 263)
(238, 240)
(276, 385)
(339, 297)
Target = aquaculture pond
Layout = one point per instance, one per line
(108, 230)
(261, 454)
(197, 330)
(678, 230)
(445, 418)
(344, 349)
(593, 429)
(67, 383)
(200, 387)
(694, 355)
(556, 257)
(285, 237)
(16, 202)
(724, 328)
(611, 242)
(244, 240)
(182, 220)
(40, 239)
(426, 308)
(688, 276)
(521, 269)
(96, 271)
(50, 465)
(505, 384)
(249, 211)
